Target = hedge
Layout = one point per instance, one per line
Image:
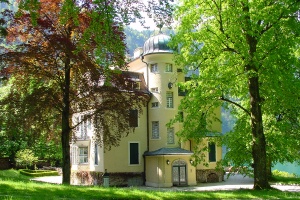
(38, 173)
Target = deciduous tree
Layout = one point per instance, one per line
(61, 56)
(244, 53)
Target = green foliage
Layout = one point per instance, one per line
(25, 158)
(284, 178)
(13, 175)
(283, 174)
(16, 186)
(26, 125)
(38, 173)
(243, 57)
(135, 38)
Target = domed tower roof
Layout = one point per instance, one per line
(157, 44)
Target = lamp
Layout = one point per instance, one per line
(170, 85)
(168, 162)
(191, 161)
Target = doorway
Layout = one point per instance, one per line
(179, 173)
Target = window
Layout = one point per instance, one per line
(84, 126)
(83, 155)
(212, 152)
(96, 154)
(180, 113)
(136, 85)
(74, 155)
(133, 153)
(170, 100)
(133, 118)
(155, 130)
(170, 135)
(154, 104)
(169, 67)
(154, 68)
(133, 85)
(181, 91)
(155, 89)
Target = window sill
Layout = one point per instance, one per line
(155, 138)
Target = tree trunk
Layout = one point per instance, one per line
(258, 138)
(66, 130)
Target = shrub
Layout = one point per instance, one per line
(283, 174)
(25, 158)
(38, 173)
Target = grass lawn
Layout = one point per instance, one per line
(13, 186)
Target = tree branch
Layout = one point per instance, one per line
(236, 104)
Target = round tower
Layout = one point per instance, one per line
(162, 76)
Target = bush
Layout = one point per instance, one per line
(283, 174)
(25, 158)
(38, 173)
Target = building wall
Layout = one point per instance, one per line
(159, 172)
(160, 80)
(117, 158)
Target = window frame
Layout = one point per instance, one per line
(169, 99)
(155, 104)
(154, 68)
(136, 159)
(212, 155)
(171, 130)
(133, 118)
(155, 130)
(83, 156)
(169, 68)
(154, 90)
(96, 154)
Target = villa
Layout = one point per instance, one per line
(152, 154)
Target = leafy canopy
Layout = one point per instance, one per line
(214, 40)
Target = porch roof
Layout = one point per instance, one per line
(168, 151)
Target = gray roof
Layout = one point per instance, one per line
(168, 151)
(157, 44)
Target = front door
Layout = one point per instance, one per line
(179, 173)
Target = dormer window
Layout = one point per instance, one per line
(155, 89)
(136, 86)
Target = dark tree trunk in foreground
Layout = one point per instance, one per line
(258, 138)
(66, 130)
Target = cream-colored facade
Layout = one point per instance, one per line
(152, 154)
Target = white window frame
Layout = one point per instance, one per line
(83, 156)
(155, 130)
(170, 135)
(170, 99)
(84, 127)
(154, 68)
(74, 155)
(169, 67)
(154, 89)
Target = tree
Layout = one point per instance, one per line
(2, 19)
(246, 56)
(61, 58)
(23, 126)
